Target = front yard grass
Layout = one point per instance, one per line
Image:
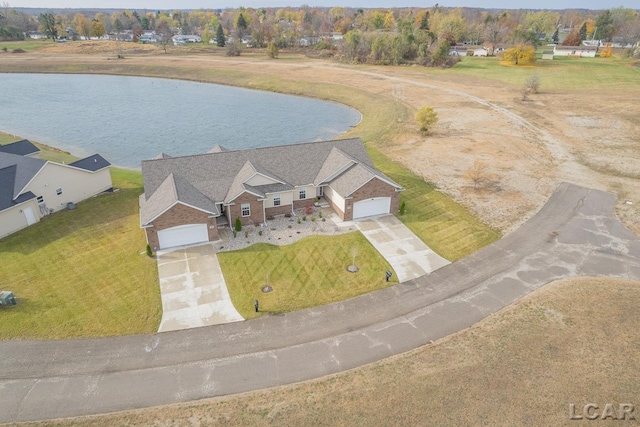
(445, 226)
(308, 273)
(82, 273)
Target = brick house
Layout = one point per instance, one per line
(187, 198)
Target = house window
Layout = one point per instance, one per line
(246, 209)
(58, 191)
(276, 200)
(302, 194)
(40, 200)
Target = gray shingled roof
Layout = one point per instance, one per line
(349, 181)
(7, 182)
(171, 191)
(221, 176)
(20, 148)
(92, 163)
(335, 161)
(26, 169)
(160, 156)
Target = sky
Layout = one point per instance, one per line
(222, 4)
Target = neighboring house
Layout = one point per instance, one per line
(547, 54)
(21, 148)
(36, 35)
(186, 197)
(481, 52)
(578, 51)
(458, 50)
(31, 188)
(181, 39)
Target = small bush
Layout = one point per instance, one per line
(304, 217)
(324, 219)
(246, 234)
(403, 208)
(313, 218)
(272, 50)
(234, 233)
(320, 214)
(4, 49)
(287, 215)
(259, 232)
(234, 49)
(309, 209)
(149, 251)
(299, 221)
(289, 226)
(238, 226)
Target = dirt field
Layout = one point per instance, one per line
(567, 343)
(588, 137)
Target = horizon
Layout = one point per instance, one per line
(372, 4)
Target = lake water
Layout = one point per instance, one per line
(129, 119)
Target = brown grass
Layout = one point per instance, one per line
(574, 341)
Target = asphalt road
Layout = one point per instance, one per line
(575, 234)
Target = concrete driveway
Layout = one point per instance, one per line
(407, 254)
(193, 289)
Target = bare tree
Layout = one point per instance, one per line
(477, 173)
(164, 31)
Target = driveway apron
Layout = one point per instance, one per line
(407, 254)
(193, 289)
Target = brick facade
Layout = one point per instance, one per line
(278, 210)
(257, 214)
(374, 188)
(180, 215)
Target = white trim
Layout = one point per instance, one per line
(261, 174)
(259, 196)
(242, 205)
(338, 172)
(148, 223)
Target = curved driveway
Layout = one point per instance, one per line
(575, 234)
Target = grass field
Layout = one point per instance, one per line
(25, 45)
(305, 274)
(521, 366)
(566, 74)
(445, 226)
(82, 273)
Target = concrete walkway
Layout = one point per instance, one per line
(409, 256)
(575, 234)
(193, 289)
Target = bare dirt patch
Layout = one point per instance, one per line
(90, 47)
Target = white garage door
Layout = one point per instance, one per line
(371, 207)
(183, 235)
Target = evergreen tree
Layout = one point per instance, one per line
(424, 23)
(583, 31)
(556, 37)
(220, 36)
(604, 26)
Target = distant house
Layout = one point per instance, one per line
(185, 198)
(180, 39)
(547, 54)
(36, 35)
(576, 51)
(459, 50)
(31, 188)
(480, 52)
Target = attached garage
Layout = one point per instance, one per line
(182, 235)
(371, 207)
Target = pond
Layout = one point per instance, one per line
(129, 119)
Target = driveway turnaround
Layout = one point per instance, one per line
(407, 254)
(193, 289)
(575, 234)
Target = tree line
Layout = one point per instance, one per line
(394, 36)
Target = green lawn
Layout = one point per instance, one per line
(82, 273)
(565, 74)
(25, 45)
(445, 226)
(308, 273)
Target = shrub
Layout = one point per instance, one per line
(259, 232)
(309, 209)
(246, 234)
(234, 233)
(320, 214)
(304, 217)
(426, 118)
(298, 220)
(272, 50)
(234, 49)
(313, 218)
(238, 226)
(403, 208)
(149, 251)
